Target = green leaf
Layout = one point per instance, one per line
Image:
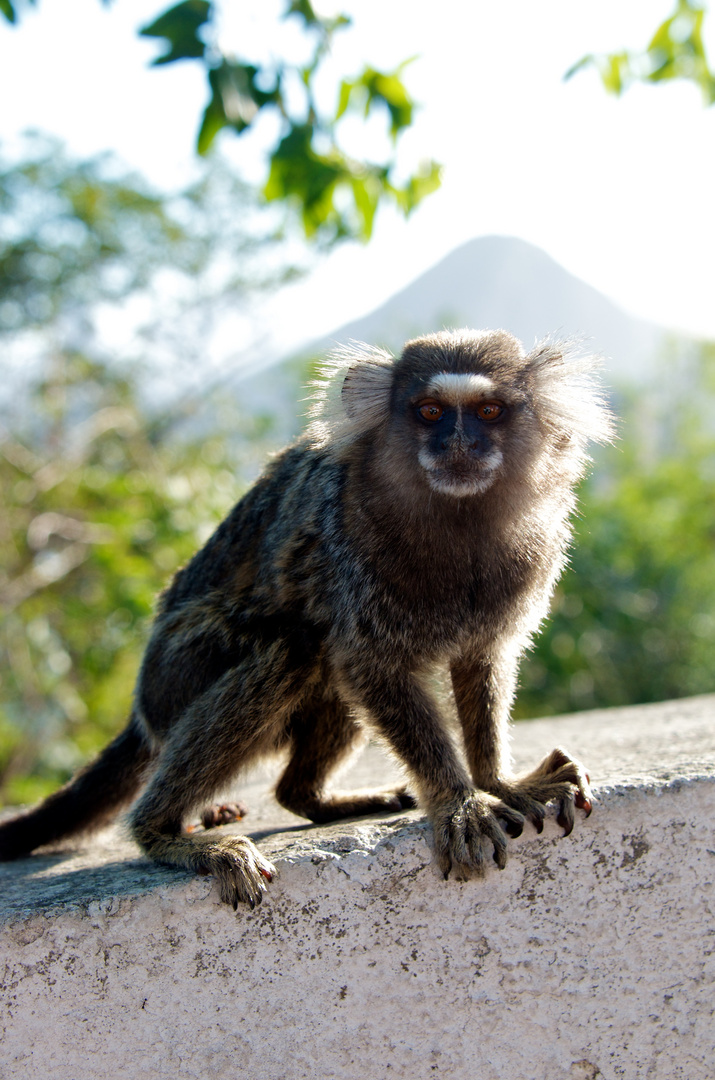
(426, 180)
(346, 89)
(586, 61)
(613, 68)
(214, 119)
(366, 193)
(299, 173)
(383, 88)
(235, 101)
(312, 180)
(180, 26)
(613, 71)
(304, 9)
(11, 10)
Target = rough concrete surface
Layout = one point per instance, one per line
(588, 957)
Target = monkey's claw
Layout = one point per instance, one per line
(566, 816)
(560, 779)
(582, 800)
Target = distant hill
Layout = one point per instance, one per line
(490, 282)
(502, 282)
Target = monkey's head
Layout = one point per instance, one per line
(462, 411)
(450, 399)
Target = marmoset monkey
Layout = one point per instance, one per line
(421, 521)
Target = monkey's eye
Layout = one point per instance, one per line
(431, 410)
(489, 410)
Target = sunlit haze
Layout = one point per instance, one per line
(619, 191)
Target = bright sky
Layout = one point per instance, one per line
(620, 192)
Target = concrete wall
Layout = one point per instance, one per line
(587, 957)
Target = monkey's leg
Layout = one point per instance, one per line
(87, 802)
(466, 821)
(323, 735)
(240, 717)
(483, 691)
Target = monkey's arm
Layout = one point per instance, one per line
(465, 820)
(483, 692)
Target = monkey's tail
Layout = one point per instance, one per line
(87, 802)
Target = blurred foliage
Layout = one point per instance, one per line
(69, 232)
(634, 616)
(102, 502)
(9, 8)
(105, 487)
(676, 51)
(336, 195)
(83, 239)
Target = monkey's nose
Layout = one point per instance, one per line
(454, 445)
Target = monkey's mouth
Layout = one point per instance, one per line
(463, 476)
(458, 486)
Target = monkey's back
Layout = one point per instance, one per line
(253, 582)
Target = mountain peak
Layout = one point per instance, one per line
(503, 282)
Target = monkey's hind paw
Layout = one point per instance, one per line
(223, 814)
(560, 779)
(464, 829)
(239, 868)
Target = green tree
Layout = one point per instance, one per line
(79, 240)
(336, 195)
(106, 489)
(100, 505)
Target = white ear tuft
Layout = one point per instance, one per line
(568, 395)
(351, 393)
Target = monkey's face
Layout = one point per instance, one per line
(459, 422)
(465, 412)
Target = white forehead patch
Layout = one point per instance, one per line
(456, 389)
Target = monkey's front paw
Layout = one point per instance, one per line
(466, 826)
(239, 867)
(559, 778)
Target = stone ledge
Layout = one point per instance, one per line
(587, 957)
